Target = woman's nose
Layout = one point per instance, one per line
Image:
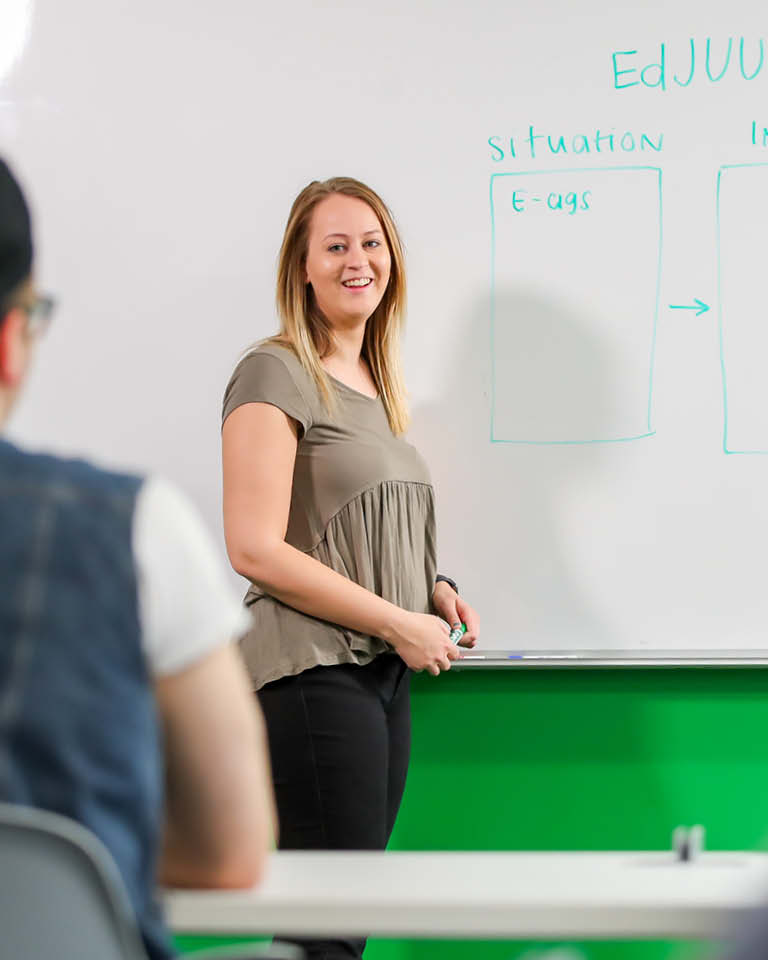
(357, 256)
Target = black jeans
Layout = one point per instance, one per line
(339, 739)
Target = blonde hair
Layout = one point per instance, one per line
(306, 331)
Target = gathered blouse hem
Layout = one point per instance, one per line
(359, 658)
(383, 540)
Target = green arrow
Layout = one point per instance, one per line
(699, 306)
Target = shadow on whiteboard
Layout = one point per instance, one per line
(503, 508)
(565, 373)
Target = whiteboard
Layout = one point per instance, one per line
(575, 184)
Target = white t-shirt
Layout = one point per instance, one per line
(186, 606)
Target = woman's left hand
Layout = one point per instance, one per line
(455, 611)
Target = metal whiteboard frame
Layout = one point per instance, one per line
(576, 659)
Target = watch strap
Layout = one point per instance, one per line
(444, 579)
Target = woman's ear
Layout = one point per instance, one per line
(14, 348)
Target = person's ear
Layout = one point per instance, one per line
(13, 348)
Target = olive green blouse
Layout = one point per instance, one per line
(362, 503)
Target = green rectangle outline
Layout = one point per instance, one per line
(726, 449)
(548, 443)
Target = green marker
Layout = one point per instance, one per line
(457, 633)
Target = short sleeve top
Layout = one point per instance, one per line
(362, 503)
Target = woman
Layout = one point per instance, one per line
(330, 514)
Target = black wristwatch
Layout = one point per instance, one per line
(451, 583)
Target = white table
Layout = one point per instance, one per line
(485, 895)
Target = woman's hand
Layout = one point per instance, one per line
(424, 643)
(455, 610)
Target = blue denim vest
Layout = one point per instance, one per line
(78, 731)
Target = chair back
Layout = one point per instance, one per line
(60, 892)
(62, 896)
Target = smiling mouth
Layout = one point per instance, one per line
(358, 283)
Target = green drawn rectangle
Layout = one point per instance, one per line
(726, 448)
(522, 173)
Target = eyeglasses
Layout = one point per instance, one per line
(39, 314)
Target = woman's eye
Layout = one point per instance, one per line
(336, 246)
(373, 243)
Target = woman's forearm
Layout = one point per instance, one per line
(308, 585)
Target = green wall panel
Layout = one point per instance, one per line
(586, 759)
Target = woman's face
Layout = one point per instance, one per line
(348, 260)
